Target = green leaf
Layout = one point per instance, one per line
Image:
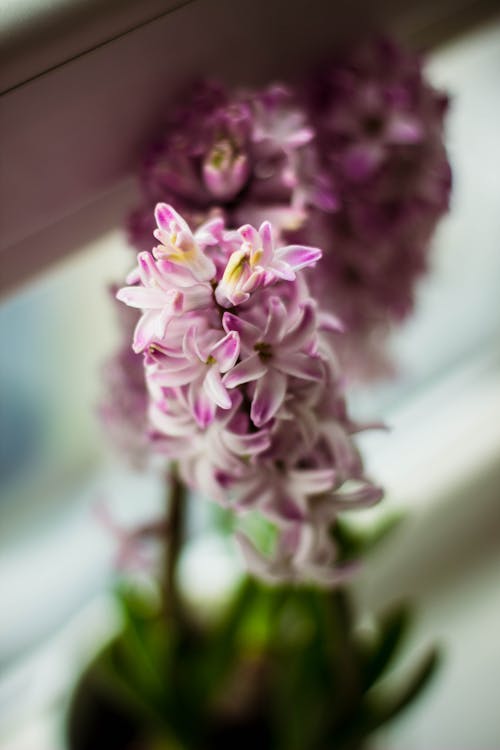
(383, 707)
(392, 629)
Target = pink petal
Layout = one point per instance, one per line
(196, 297)
(215, 389)
(177, 275)
(165, 216)
(144, 332)
(299, 256)
(276, 321)
(305, 329)
(329, 322)
(312, 481)
(226, 351)
(202, 406)
(142, 297)
(210, 232)
(250, 369)
(250, 235)
(247, 445)
(404, 130)
(300, 137)
(190, 345)
(248, 333)
(266, 235)
(300, 366)
(268, 397)
(282, 508)
(175, 426)
(364, 497)
(172, 378)
(254, 561)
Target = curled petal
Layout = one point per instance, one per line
(312, 481)
(250, 444)
(364, 497)
(250, 235)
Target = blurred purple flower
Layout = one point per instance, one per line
(124, 404)
(235, 155)
(379, 130)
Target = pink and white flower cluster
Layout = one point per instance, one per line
(244, 387)
(350, 158)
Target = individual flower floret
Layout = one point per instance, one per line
(179, 245)
(284, 346)
(163, 291)
(205, 356)
(257, 263)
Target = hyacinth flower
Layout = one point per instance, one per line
(229, 367)
(352, 160)
(236, 155)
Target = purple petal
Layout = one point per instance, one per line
(245, 371)
(268, 397)
(361, 161)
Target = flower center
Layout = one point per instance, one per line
(263, 350)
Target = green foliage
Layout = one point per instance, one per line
(292, 658)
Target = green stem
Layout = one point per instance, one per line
(176, 512)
